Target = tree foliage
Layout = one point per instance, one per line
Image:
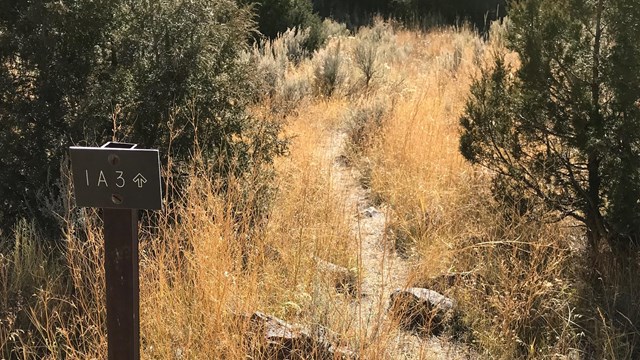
(358, 12)
(163, 74)
(276, 16)
(563, 129)
(478, 12)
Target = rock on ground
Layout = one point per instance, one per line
(273, 338)
(422, 310)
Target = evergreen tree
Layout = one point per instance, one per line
(563, 130)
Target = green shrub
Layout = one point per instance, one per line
(331, 28)
(372, 45)
(277, 16)
(166, 74)
(272, 59)
(329, 72)
(560, 133)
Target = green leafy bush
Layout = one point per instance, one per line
(163, 74)
(277, 16)
(560, 128)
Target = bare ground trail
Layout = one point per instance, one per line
(381, 269)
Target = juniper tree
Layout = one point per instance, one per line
(563, 127)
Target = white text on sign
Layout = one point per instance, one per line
(120, 181)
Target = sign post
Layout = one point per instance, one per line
(119, 178)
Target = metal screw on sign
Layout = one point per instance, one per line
(120, 179)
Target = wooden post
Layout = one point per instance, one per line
(119, 178)
(121, 273)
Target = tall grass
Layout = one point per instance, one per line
(199, 271)
(523, 290)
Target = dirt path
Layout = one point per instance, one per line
(381, 270)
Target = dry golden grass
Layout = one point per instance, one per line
(525, 295)
(195, 284)
(417, 167)
(443, 216)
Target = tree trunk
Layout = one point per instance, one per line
(595, 230)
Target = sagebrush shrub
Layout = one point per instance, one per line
(329, 70)
(364, 123)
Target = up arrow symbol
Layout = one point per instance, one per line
(140, 180)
